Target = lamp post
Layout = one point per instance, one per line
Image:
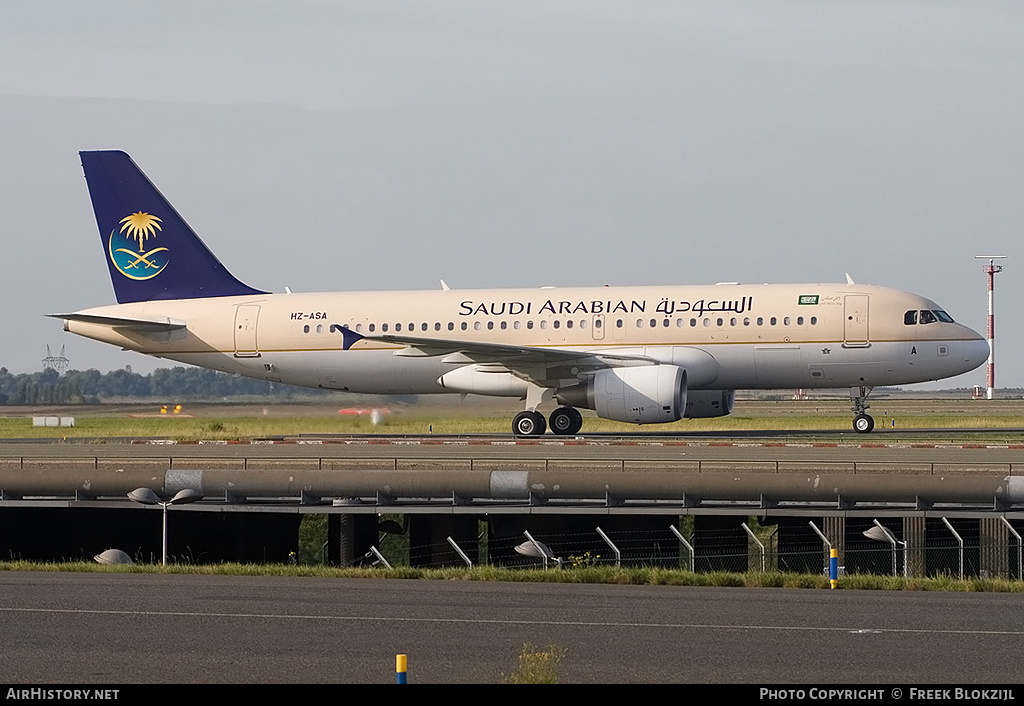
(879, 533)
(145, 496)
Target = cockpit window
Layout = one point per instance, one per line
(926, 317)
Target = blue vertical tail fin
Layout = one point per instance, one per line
(150, 250)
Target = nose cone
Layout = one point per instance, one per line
(973, 351)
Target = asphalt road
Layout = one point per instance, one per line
(135, 628)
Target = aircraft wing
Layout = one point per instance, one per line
(537, 364)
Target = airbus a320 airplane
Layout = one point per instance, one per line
(645, 355)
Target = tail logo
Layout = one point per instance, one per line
(127, 247)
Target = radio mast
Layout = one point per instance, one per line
(991, 269)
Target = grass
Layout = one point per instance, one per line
(228, 428)
(633, 576)
(537, 667)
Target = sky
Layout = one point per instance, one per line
(329, 145)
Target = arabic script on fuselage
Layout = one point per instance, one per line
(665, 306)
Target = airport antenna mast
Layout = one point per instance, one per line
(991, 269)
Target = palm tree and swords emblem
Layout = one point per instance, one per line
(141, 263)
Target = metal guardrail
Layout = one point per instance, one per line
(612, 482)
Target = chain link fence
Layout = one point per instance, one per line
(931, 550)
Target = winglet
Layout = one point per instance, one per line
(849, 279)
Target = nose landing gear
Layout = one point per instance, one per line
(862, 422)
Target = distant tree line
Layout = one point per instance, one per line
(171, 384)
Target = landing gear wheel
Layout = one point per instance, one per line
(528, 424)
(565, 421)
(863, 423)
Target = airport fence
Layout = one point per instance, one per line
(754, 549)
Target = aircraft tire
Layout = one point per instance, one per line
(863, 423)
(565, 421)
(528, 424)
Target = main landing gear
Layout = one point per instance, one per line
(564, 421)
(862, 422)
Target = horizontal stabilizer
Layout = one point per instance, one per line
(140, 325)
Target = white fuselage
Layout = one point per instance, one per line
(725, 336)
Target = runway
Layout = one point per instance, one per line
(136, 628)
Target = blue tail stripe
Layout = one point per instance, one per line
(151, 251)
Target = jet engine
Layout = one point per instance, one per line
(709, 403)
(651, 394)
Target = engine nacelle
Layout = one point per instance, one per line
(651, 394)
(478, 380)
(709, 403)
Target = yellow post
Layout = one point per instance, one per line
(401, 663)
